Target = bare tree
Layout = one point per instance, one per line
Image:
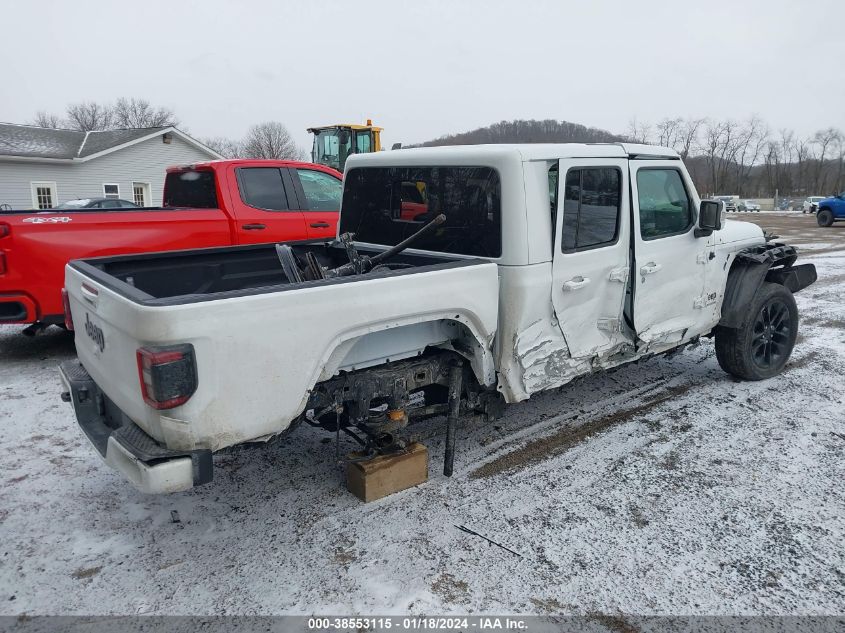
(639, 132)
(88, 116)
(823, 139)
(751, 139)
(669, 132)
(839, 182)
(710, 145)
(803, 154)
(271, 140)
(227, 147)
(688, 136)
(138, 113)
(772, 165)
(45, 119)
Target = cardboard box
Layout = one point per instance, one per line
(386, 474)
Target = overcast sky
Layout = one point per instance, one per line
(424, 69)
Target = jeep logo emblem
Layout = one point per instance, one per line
(95, 333)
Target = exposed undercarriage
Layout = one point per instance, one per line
(373, 406)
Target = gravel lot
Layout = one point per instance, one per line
(662, 488)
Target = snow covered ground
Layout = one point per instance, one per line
(662, 488)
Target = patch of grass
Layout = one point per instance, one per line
(85, 574)
(450, 589)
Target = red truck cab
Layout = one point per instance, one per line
(215, 203)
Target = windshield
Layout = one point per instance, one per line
(74, 204)
(332, 147)
(816, 198)
(384, 205)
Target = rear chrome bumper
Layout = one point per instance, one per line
(149, 466)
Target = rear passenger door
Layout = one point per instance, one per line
(262, 207)
(591, 252)
(319, 195)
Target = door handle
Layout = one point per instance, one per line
(254, 227)
(576, 283)
(320, 225)
(91, 295)
(650, 268)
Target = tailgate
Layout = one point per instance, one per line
(108, 331)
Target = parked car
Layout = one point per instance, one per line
(182, 354)
(98, 203)
(811, 204)
(749, 206)
(730, 202)
(831, 210)
(217, 203)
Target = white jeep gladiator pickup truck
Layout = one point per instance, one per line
(462, 278)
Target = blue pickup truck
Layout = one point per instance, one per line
(831, 210)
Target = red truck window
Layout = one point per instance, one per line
(262, 188)
(322, 191)
(192, 189)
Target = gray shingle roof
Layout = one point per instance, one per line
(39, 142)
(99, 141)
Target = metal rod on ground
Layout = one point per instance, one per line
(455, 385)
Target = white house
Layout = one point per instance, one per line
(41, 168)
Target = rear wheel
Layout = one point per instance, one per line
(760, 348)
(825, 217)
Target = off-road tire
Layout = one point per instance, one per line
(761, 348)
(824, 217)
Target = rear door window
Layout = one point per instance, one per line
(384, 205)
(591, 208)
(262, 188)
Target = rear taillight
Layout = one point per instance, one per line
(5, 229)
(2, 263)
(168, 375)
(66, 308)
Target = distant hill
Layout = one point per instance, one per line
(531, 131)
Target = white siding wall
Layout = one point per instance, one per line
(143, 162)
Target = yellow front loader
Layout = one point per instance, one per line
(333, 144)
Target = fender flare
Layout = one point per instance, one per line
(771, 262)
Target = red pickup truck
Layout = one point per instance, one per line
(218, 203)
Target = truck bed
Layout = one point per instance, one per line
(180, 277)
(261, 343)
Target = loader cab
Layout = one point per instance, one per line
(334, 144)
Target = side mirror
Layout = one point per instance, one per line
(710, 215)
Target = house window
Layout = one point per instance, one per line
(43, 195)
(141, 193)
(111, 190)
